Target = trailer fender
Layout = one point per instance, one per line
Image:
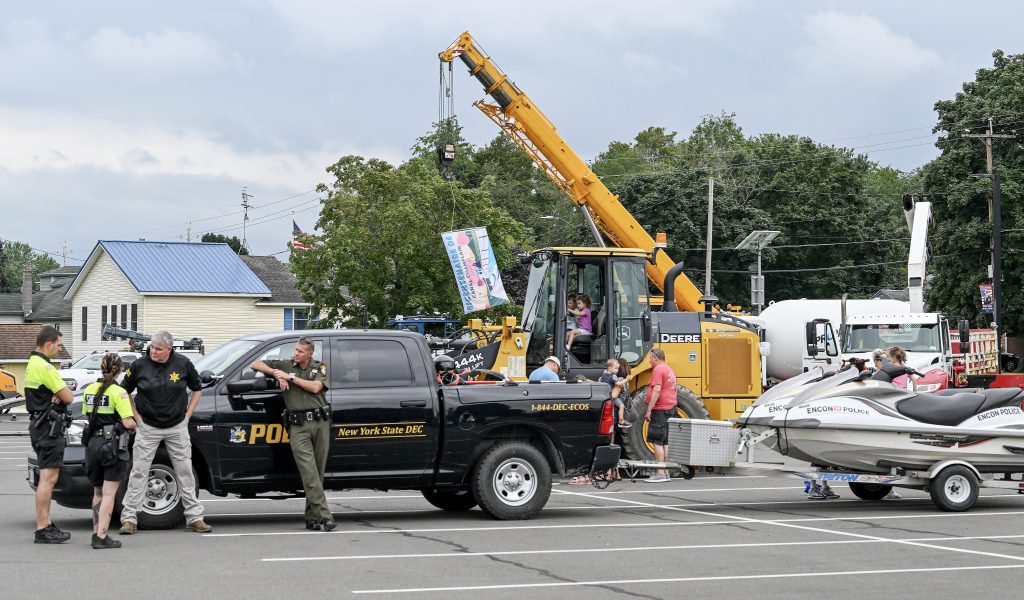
(939, 466)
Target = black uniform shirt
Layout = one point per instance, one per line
(162, 389)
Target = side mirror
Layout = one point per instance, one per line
(206, 377)
(811, 338)
(250, 382)
(964, 329)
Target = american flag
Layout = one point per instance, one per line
(296, 242)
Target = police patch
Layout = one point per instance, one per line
(237, 435)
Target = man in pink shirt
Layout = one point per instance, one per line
(661, 406)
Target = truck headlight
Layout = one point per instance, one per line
(72, 384)
(75, 431)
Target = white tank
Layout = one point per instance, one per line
(785, 327)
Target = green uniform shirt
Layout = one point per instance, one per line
(41, 383)
(110, 408)
(296, 398)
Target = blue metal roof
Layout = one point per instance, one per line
(184, 268)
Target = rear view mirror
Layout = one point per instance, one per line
(811, 338)
(250, 382)
(964, 329)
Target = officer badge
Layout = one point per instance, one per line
(237, 435)
(175, 377)
(323, 369)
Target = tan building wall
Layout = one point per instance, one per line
(104, 285)
(215, 319)
(17, 368)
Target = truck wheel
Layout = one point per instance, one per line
(161, 506)
(460, 500)
(634, 439)
(954, 489)
(512, 481)
(869, 491)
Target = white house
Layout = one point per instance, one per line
(190, 289)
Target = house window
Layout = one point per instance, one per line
(295, 318)
(113, 315)
(85, 324)
(124, 316)
(103, 316)
(135, 317)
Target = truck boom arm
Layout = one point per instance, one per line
(919, 215)
(527, 126)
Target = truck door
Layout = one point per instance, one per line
(630, 325)
(384, 412)
(251, 437)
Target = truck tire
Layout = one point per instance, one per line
(512, 481)
(461, 500)
(634, 439)
(869, 491)
(161, 507)
(954, 489)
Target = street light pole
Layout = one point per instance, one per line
(757, 241)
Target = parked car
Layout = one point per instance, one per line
(393, 427)
(87, 369)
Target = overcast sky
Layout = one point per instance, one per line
(127, 120)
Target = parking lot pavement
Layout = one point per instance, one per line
(707, 537)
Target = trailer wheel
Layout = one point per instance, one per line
(460, 500)
(512, 481)
(869, 491)
(634, 439)
(954, 489)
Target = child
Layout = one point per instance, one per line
(620, 392)
(612, 378)
(570, 321)
(583, 319)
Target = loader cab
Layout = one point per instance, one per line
(615, 281)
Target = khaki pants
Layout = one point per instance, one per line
(179, 446)
(311, 441)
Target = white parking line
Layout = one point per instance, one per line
(629, 549)
(555, 584)
(723, 521)
(791, 525)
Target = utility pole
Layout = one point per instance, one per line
(64, 253)
(245, 207)
(188, 232)
(995, 216)
(987, 138)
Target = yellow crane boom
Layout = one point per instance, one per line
(517, 115)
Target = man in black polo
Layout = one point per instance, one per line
(46, 398)
(162, 407)
(304, 382)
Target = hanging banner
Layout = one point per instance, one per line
(986, 297)
(476, 270)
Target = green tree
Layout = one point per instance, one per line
(961, 229)
(233, 241)
(14, 257)
(818, 197)
(381, 253)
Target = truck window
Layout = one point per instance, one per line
(370, 364)
(287, 351)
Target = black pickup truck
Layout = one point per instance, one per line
(496, 445)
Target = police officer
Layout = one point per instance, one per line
(164, 406)
(304, 382)
(109, 410)
(47, 397)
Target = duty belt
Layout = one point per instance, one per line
(296, 417)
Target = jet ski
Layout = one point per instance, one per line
(847, 420)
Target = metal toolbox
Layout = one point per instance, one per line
(703, 443)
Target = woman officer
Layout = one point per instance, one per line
(110, 414)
